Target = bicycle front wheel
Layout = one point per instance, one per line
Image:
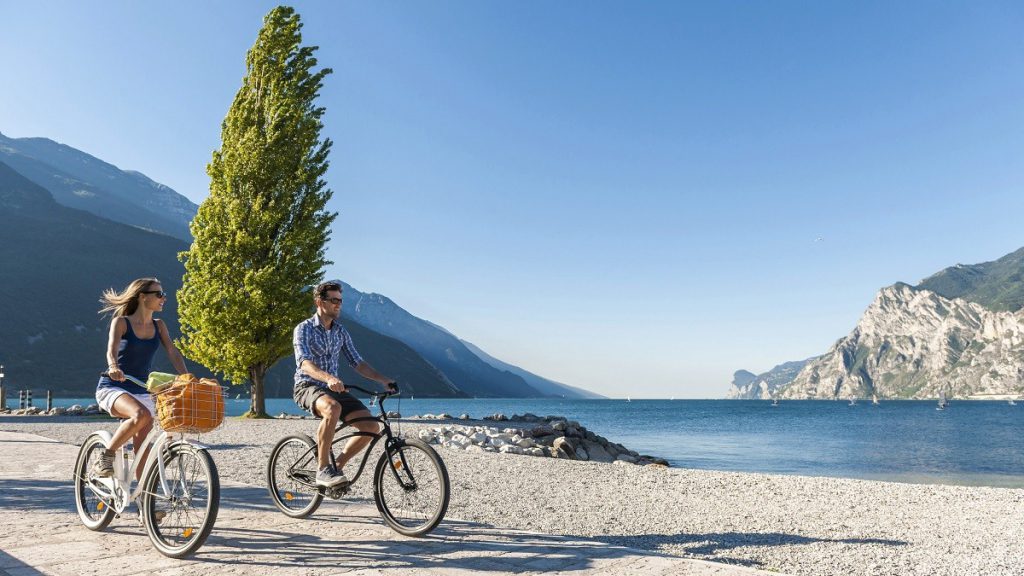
(291, 476)
(94, 511)
(411, 487)
(178, 521)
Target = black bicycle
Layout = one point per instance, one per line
(410, 482)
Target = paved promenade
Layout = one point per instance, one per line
(42, 535)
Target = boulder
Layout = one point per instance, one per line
(562, 448)
(535, 451)
(559, 426)
(546, 440)
(542, 430)
(626, 458)
(510, 449)
(596, 452)
(526, 443)
(57, 411)
(393, 414)
(464, 416)
(581, 453)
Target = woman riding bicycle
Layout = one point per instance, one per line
(134, 338)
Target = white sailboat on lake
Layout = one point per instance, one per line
(874, 399)
(943, 403)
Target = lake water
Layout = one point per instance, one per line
(971, 443)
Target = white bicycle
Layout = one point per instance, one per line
(178, 495)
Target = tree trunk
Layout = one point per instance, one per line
(257, 405)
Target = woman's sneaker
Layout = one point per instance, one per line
(103, 467)
(329, 477)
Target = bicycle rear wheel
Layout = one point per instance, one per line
(95, 513)
(411, 487)
(179, 522)
(291, 476)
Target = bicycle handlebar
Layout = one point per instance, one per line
(383, 394)
(126, 377)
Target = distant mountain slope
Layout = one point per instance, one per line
(79, 180)
(764, 386)
(996, 285)
(438, 346)
(913, 343)
(960, 332)
(547, 387)
(54, 263)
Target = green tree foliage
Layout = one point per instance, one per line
(260, 235)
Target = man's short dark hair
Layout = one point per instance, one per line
(323, 288)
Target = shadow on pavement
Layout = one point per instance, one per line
(707, 546)
(458, 545)
(10, 563)
(33, 494)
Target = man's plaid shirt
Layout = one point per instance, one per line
(322, 347)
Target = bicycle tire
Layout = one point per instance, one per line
(177, 534)
(290, 495)
(85, 500)
(417, 504)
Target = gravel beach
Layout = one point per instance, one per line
(790, 524)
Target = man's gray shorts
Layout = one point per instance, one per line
(306, 394)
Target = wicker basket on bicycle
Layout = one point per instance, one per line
(191, 405)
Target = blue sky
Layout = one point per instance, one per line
(621, 196)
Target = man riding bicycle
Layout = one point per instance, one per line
(319, 342)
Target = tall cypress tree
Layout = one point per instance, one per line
(260, 235)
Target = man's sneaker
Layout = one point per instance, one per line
(329, 477)
(103, 467)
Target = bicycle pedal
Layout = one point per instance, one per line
(338, 491)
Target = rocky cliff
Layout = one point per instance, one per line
(749, 386)
(914, 343)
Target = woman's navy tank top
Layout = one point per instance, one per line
(135, 358)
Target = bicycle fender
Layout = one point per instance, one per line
(105, 436)
(194, 444)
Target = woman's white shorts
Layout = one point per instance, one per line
(107, 395)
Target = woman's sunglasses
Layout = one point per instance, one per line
(159, 293)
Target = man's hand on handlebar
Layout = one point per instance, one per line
(336, 384)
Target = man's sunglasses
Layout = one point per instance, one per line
(335, 301)
(159, 293)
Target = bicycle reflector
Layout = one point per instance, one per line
(187, 533)
(288, 496)
(100, 506)
(398, 464)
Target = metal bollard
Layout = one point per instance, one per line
(28, 398)
(49, 400)
(21, 399)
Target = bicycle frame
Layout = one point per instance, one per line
(310, 456)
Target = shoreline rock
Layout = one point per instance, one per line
(548, 436)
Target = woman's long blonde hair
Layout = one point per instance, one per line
(125, 303)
